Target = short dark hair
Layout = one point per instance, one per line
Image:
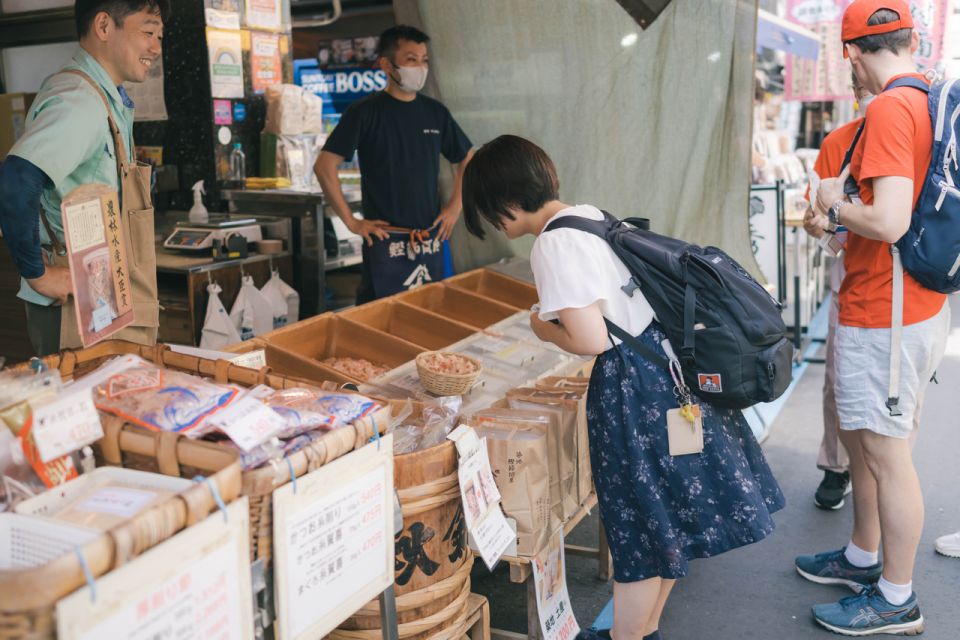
(894, 41)
(390, 39)
(508, 172)
(86, 10)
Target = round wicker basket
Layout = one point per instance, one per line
(447, 384)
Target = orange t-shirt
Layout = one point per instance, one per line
(897, 141)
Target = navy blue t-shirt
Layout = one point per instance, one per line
(398, 146)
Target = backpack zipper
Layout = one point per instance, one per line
(944, 190)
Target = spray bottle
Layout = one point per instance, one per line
(198, 213)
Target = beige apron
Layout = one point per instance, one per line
(136, 216)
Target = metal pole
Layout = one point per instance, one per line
(388, 615)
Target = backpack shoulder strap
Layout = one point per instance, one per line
(594, 227)
(915, 83)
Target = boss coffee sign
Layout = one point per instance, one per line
(338, 87)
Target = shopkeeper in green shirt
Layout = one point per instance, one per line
(67, 143)
(399, 136)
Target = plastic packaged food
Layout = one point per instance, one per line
(161, 399)
(308, 409)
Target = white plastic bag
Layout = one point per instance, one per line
(251, 314)
(284, 110)
(312, 113)
(218, 329)
(278, 302)
(283, 298)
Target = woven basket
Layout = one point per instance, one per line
(447, 384)
(258, 484)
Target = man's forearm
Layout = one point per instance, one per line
(869, 221)
(455, 197)
(333, 191)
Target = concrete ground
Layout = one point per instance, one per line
(754, 592)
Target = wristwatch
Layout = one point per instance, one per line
(834, 213)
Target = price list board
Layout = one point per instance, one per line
(194, 586)
(333, 541)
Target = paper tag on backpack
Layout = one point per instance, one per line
(685, 430)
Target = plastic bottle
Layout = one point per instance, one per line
(238, 167)
(198, 212)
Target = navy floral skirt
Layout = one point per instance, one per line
(660, 511)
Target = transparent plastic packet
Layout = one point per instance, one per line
(439, 419)
(307, 409)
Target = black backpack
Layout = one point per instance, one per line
(729, 330)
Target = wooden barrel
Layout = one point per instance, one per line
(433, 559)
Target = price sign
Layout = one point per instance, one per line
(194, 586)
(333, 541)
(66, 424)
(249, 422)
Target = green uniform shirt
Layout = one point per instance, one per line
(67, 136)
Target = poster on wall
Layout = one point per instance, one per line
(764, 220)
(226, 63)
(263, 14)
(222, 14)
(828, 77)
(265, 63)
(553, 599)
(148, 95)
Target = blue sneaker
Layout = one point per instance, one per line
(833, 567)
(869, 613)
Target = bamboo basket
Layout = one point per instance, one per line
(447, 384)
(134, 447)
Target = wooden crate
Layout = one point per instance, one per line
(463, 306)
(330, 336)
(496, 286)
(423, 328)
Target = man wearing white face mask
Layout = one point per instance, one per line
(399, 136)
(833, 459)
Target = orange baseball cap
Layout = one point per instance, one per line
(857, 15)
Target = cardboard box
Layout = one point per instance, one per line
(469, 308)
(13, 117)
(422, 328)
(329, 336)
(497, 286)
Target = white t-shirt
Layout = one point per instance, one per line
(573, 269)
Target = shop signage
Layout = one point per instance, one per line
(265, 63)
(333, 541)
(338, 87)
(222, 112)
(194, 586)
(553, 600)
(828, 77)
(226, 63)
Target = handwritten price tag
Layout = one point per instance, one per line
(66, 424)
(249, 422)
(253, 360)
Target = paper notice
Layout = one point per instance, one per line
(86, 225)
(118, 501)
(553, 600)
(226, 63)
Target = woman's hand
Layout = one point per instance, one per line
(581, 331)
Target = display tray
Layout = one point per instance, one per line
(496, 286)
(330, 336)
(457, 304)
(284, 363)
(425, 329)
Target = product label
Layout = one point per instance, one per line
(118, 501)
(67, 424)
(249, 422)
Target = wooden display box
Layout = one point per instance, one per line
(330, 336)
(454, 303)
(417, 326)
(497, 286)
(289, 364)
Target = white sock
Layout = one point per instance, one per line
(860, 558)
(896, 594)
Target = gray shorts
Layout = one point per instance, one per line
(863, 373)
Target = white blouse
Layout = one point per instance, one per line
(573, 269)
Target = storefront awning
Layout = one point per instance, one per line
(777, 33)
